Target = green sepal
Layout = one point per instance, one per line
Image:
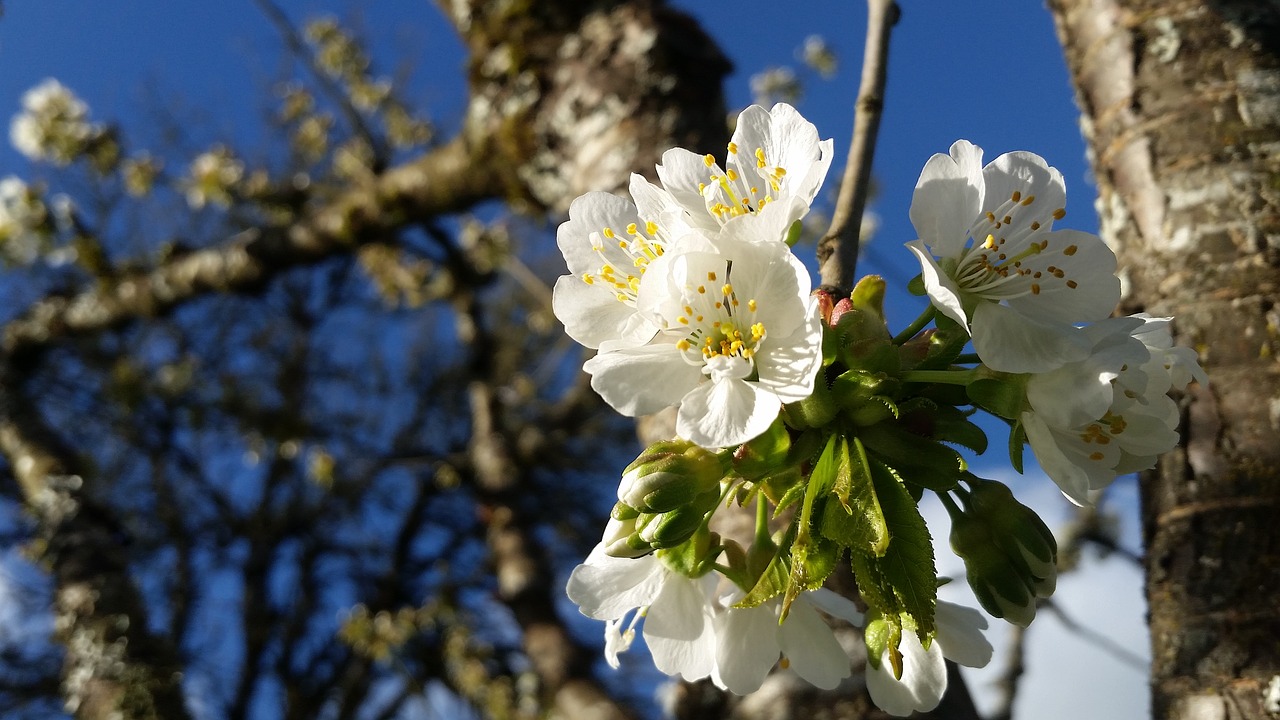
(884, 633)
(813, 559)
(1017, 439)
(772, 581)
(868, 296)
(794, 232)
(916, 287)
(695, 557)
(765, 454)
(814, 411)
(945, 344)
(852, 516)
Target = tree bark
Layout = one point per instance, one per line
(1180, 106)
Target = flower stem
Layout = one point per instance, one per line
(966, 358)
(916, 325)
(944, 377)
(762, 520)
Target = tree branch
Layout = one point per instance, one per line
(838, 249)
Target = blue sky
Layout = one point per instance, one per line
(987, 71)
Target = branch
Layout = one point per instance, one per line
(113, 665)
(447, 179)
(838, 249)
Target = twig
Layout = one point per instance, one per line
(1013, 671)
(838, 249)
(1104, 643)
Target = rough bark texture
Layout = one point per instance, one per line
(1181, 109)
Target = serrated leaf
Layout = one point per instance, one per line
(852, 516)
(916, 459)
(953, 426)
(908, 563)
(772, 583)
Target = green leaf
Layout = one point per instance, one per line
(852, 516)
(916, 459)
(772, 582)
(953, 426)
(908, 564)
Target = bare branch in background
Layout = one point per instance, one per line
(838, 249)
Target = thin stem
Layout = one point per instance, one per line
(944, 377)
(916, 325)
(838, 249)
(966, 358)
(762, 520)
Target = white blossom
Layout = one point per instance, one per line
(211, 177)
(678, 611)
(22, 219)
(738, 336)
(1109, 414)
(993, 262)
(774, 160)
(924, 672)
(53, 124)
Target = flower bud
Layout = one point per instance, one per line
(621, 540)
(668, 475)
(1019, 532)
(1003, 589)
(669, 529)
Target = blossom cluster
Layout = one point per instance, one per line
(53, 125)
(807, 407)
(24, 221)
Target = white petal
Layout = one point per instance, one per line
(811, 648)
(836, 605)
(943, 291)
(724, 413)
(789, 366)
(1090, 267)
(1010, 341)
(746, 647)
(948, 198)
(1071, 479)
(680, 172)
(679, 630)
(960, 634)
(591, 213)
(924, 679)
(592, 315)
(1029, 175)
(605, 588)
(642, 380)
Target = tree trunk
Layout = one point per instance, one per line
(1180, 106)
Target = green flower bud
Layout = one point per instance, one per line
(669, 529)
(621, 539)
(1004, 589)
(1019, 532)
(668, 475)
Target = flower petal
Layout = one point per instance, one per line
(746, 647)
(924, 679)
(811, 648)
(948, 198)
(960, 634)
(606, 588)
(1011, 341)
(679, 629)
(641, 380)
(724, 413)
(942, 290)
